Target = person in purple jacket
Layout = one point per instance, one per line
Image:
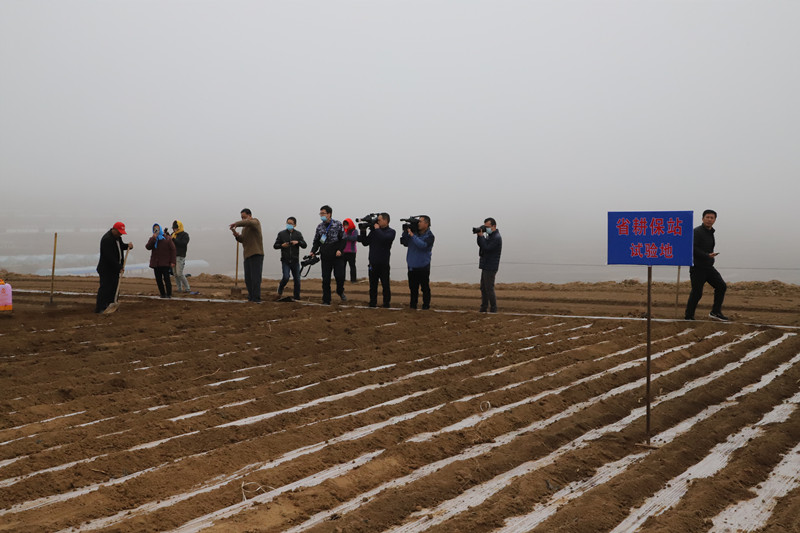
(162, 259)
(349, 252)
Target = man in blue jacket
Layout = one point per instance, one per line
(379, 240)
(418, 259)
(490, 246)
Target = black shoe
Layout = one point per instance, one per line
(425, 306)
(718, 316)
(373, 304)
(326, 303)
(482, 310)
(688, 318)
(493, 310)
(343, 296)
(386, 306)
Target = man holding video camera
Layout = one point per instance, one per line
(329, 243)
(419, 240)
(490, 245)
(379, 240)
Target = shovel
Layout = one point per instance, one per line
(113, 306)
(236, 291)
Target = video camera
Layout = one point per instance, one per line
(479, 229)
(412, 223)
(308, 261)
(367, 221)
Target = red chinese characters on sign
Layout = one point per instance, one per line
(674, 226)
(639, 226)
(636, 250)
(666, 250)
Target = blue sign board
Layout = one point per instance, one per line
(650, 238)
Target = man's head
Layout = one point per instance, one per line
(492, 223)
(424, 223)
(325, 213)
(291, 221)
(246, 214)
(709, 217)
(118, 229)
(383, 220)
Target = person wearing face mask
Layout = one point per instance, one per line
(289, 242)
(329, 243)
(490, 244)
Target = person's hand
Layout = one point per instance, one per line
(312, 254)
(121, 270)
(285, 245)
(172, 265)
(410, 233)
(377, 226)
(232, 226)
(338, 253)
(295, 243)
(713, 254)
(130, 246)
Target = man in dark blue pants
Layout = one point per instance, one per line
(379, 240)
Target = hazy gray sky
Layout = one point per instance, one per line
(543, 114)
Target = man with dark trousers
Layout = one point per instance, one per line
(379, 240)
(490, 245)
(703, 270)
(253, 251)
(110, 265)
(418, 259)
(289, 242)
(329, 243)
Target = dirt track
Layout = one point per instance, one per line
(188, 415)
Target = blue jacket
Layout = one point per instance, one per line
(420, 249)
(490, 248)
(380, 245)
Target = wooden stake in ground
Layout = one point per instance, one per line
(236, 290)
(112, 307)
(53, 272)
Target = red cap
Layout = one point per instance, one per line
(120, 227)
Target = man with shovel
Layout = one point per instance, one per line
(110, 265)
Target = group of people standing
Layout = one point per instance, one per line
(334, 244)
(167, 258)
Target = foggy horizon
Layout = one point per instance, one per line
(544, 115)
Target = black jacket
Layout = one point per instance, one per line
(703, 246)
(380, 245)
(112, 254)
(181, 241)
(490, 248)
(290, 254)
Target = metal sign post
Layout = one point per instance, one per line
(53, 272)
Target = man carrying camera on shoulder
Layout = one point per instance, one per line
(490, 245)
(289, 242)
(379, 240)
(419, 240)
(329, 243)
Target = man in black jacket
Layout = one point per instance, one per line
(110, 265)
(289, 242)
(379, 240)
(329, 243)
(703, 270)
(490, 247)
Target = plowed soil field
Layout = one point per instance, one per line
(208, 413)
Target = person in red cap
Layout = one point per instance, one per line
(110, 265)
